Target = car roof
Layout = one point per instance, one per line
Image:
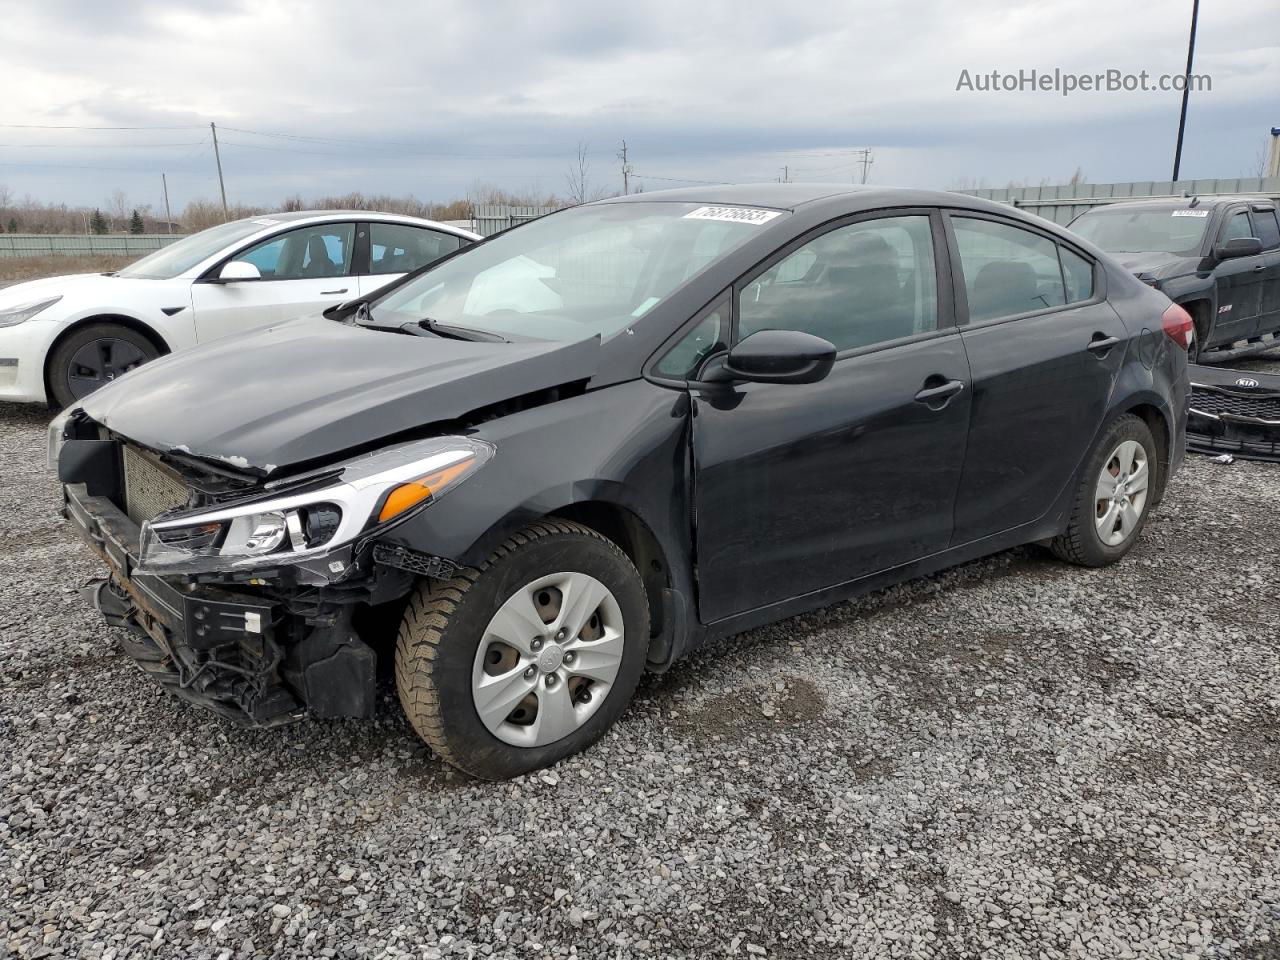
(298, 216)
(841, 197)
(1181, 203)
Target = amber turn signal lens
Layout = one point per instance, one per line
(414, 492)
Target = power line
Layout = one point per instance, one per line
(384, 155)
(417, 148)
(71, 126)
(97, 146)
(654, 176)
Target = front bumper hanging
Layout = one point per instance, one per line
(244, 656)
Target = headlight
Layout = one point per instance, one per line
(12, 316)
(364, 494)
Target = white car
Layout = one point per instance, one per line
(63, 337)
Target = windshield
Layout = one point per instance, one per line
(590, 270)
(1117, 230)
(179, 257)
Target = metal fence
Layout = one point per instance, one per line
(1065, 202)
(76, 245)
(491, 218)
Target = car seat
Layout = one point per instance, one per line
(318, 262)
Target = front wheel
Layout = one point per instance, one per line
(527, 660)
(1117, 489)
(92, 356)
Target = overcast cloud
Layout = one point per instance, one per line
(429, 98)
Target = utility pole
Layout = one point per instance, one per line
(786, 174)
(168, 217)
(1186, 88)
(1273, 164)
(866, 159)
(626, 169)
(218, 159)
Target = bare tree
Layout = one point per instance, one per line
(1261, 159)
(1077, 177)
(118, 209)
(579, 176)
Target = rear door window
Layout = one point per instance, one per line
(1008, 271)
(400, 248)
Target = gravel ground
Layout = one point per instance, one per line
(1015, 759)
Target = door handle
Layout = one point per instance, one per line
(943, 392)
(330, 293)
(1101, 345)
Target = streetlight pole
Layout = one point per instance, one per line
(1186, 88)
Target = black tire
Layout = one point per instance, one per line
(64, 388)
(1080, 543)
(445, 621)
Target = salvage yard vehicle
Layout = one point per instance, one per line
(1235, 412)
(1217, 257)
(586, 446)
(63, 337)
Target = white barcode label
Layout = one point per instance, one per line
(734, 214)
(1191, 213)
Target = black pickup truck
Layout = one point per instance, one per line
(1218, 257)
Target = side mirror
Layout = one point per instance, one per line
(781, 356)
(239, 270)
(1238, 247)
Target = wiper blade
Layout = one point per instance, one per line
(427, 325)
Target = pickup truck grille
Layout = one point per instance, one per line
(149, 488)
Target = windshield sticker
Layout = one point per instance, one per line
(733, 214)
(267, 223)
(1191, 213)
(645, 307)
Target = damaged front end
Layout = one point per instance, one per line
(245, 595)
(1234, 412)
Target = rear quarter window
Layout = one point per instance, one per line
(1078, 274)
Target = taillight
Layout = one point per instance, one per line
(1179, 326)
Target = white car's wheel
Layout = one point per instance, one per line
(92, 356)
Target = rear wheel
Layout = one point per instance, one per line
(92, 356)
(529, 659)
(1116, 490)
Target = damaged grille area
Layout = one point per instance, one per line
(1217, 403)
(149, 488)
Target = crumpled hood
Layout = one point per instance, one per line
(312, 388)
(1156, 265)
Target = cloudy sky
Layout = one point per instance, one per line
(431, 98)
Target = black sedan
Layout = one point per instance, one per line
(584, 447)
